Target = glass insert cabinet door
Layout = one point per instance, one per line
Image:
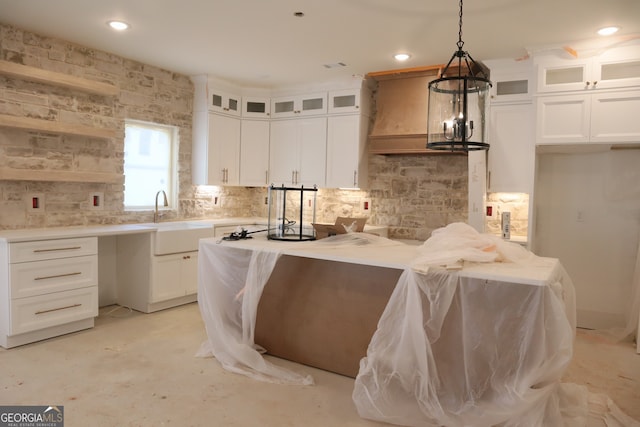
(344, 101)
(224, 103)
(299, 105)
(615, 68)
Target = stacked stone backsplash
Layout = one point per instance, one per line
(413, 194)
(515, 203)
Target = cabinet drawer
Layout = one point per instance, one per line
(45, 277)
(52, 249)
(43, 311)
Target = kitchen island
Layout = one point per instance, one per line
(427, 345)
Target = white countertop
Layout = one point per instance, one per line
(396, 254)
(31, 234)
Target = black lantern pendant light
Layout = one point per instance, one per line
(458, 104)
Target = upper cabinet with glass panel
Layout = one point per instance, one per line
(511, 80)
(299, 105)
(345, 101)
(224, 103)
(615, 68)
(257, 108)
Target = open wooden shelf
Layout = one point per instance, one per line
(59, 176)
(39, 75)
(30, 124)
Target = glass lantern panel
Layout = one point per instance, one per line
(455, 119)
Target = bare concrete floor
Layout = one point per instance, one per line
(139, 370)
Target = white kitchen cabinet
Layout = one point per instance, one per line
(224, 150)
(216, 149)
(615, 68)
(254, 153)
(224, 103)
(256, 108)
(347, 101)
(47, 288)
(511, 81)
(563, 119)
(511, 155)
(614, 117)
(173, 276)
(299, 105)
(298, 152)
(346, 151)
(148, 282)
(603, 117)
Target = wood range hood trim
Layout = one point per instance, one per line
(401, 106)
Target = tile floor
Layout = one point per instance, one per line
(140, 370)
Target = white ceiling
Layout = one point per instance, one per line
(260, 43)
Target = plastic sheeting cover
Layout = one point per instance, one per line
(446, 352)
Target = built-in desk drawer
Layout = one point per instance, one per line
(52, 249)
(44, 277)
(43, 311)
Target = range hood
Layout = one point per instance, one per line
(401, 106)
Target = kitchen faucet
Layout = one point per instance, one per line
(166, 203)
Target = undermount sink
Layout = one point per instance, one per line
(175, 237)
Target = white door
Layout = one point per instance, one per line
(224, 150)
(563, 119)
(283, 152)
(512, 151)
(254, 153)
(313, 152)
(343, 151)
(614, 117)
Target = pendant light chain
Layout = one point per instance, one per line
(460, 42)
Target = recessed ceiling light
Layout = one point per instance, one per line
(118, 25)
(401, 56)
(607, 31)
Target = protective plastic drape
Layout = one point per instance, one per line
(229, 303)
(447, 352)
(450, 349)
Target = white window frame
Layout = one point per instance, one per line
(171, 188)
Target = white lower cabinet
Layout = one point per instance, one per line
(173, 276)
(47, 288)
(149, 282)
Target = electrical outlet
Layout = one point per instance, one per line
(35, 203)
(96, 200)
(215, 199)
(366, 205)
(491, 211)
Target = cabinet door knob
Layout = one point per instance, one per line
(588, 83)
(595, 83)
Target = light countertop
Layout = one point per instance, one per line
(31, 234)
(539, 271)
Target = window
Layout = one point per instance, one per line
(149, 164)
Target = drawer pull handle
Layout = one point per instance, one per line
(57, 249)
(58, 275)
(57, 309)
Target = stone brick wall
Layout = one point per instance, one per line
(415, 194)
(411, 194)
(515, 203)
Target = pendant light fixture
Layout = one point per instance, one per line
(458, 103)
